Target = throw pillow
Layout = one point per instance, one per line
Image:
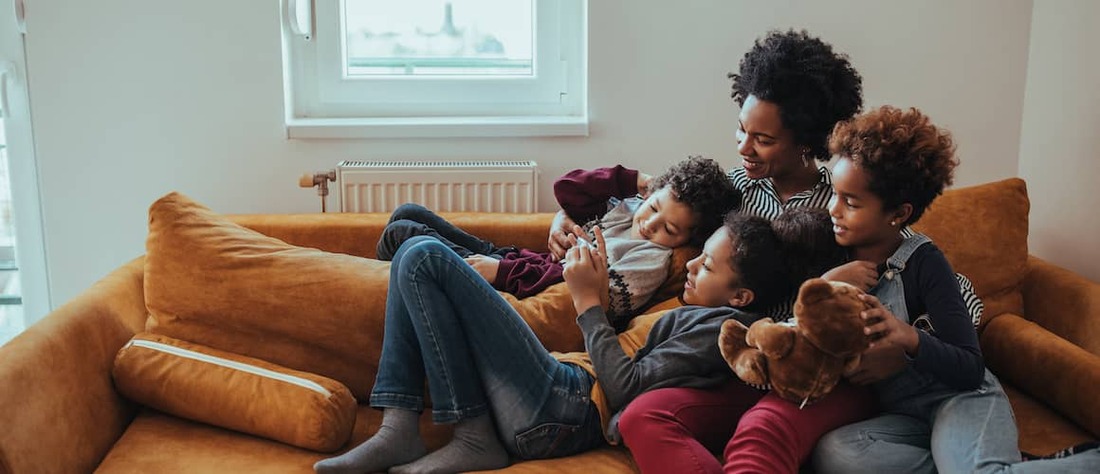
(236, 392)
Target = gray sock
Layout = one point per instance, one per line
(396, 442)
(475, 447)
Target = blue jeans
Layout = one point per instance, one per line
(938, 431)
(446, 323)
(410, 220)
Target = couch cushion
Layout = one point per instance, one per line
(241, 393)
(211, 281)
(215, 283)
(156, 442)
(983, 231)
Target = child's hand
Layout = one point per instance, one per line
(877, 363)
(485, 266)
(558, 240)
(885, 328)
(585, 272)
(858, 273)
(643, 184)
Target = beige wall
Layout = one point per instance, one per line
(132, 99)
(1060, 146)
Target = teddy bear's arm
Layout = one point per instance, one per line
(775, 340)
(747, 362)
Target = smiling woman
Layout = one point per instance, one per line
(411, 63)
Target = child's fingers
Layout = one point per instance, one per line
(871, 300)
(601, 244)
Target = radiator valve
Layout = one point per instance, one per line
(319, 180)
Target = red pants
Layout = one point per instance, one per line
(680, 429)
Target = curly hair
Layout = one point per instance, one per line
(756, 257)
(813, 86)
(906, 158)
(703, 185)
(809, 245)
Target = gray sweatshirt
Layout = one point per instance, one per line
(681, 350)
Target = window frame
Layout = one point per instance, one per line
(326, 105)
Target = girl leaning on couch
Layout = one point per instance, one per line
(488, 374)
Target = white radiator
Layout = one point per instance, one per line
(442, 186)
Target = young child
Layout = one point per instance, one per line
(488, 373)
(678, 429)
(684, 206)
(942, 410)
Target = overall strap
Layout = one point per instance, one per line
(896, 263)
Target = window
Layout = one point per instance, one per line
(404, 68)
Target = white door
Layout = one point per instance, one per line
(27, 287)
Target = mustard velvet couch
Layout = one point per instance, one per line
(60, 412)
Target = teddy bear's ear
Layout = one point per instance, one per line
(814, 290)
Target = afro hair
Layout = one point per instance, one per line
(813, 86)
(907, 159)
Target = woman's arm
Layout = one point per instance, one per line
(583, 194)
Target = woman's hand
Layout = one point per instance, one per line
(585, 272)
(558, 241)
(485, 266)
(643, 184)
(859, 273)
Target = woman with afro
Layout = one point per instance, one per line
(792, 90)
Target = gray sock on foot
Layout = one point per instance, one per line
(396, 442)
(474, 447)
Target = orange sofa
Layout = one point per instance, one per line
(61, 412)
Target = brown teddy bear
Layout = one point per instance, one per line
(801, 361)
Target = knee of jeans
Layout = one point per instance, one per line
(836, 452)
(414, 249)
(408, 211)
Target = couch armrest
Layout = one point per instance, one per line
(59, 411)
(357, 234)
(1063, 302)
(1044, 365)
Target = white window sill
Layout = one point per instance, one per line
(437, 127)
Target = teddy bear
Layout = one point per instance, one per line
(802, 360)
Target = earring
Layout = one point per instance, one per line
(806, 160)
(893, 223)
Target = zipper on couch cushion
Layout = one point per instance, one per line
(232, 364)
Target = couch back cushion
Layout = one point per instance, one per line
(983, 231)
(210, 281)
(213, 282)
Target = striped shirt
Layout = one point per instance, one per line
(759, 198)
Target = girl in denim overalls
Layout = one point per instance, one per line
(942, 410)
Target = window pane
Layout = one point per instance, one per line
(438, 37)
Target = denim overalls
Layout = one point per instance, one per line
(927, 426)
(910, 392)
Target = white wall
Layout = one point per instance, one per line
(132, 99)
(1060, 151)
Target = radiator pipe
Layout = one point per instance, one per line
(319, 180)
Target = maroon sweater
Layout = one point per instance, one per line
(583, 195)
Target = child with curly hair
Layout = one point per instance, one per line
(942, 409)
(683, 206)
